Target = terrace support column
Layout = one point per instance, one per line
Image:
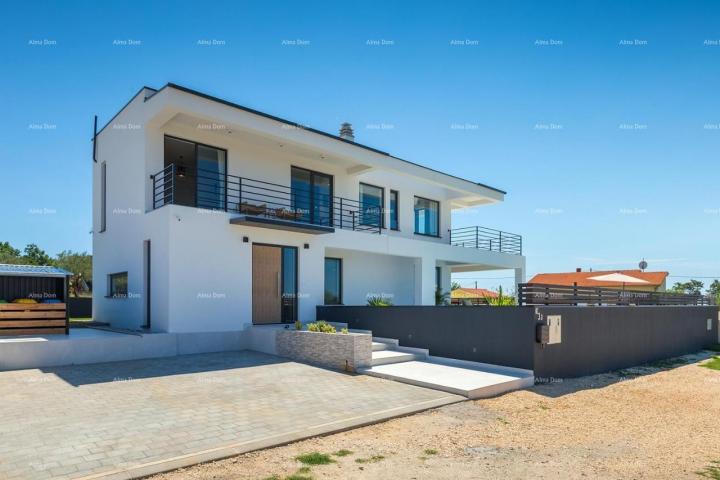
(424, 281)
(519, 276)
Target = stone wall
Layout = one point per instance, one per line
(331, 350)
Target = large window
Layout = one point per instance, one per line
(394, 201)
(333, 281)
(372, 202)
(200, 174)
(118, 285)
(312, 196)
(427, 217)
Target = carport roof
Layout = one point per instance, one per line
(33, 270)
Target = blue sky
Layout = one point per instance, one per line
(608, 150)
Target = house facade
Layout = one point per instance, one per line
(212, 217)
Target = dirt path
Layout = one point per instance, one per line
(653, 422)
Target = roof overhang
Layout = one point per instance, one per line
(176, 103)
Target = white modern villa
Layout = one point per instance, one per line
(213, 217)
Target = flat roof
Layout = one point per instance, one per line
(32, 270)
(293, 124)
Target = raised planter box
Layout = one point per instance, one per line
(338, 351)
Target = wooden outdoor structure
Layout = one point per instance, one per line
(33, 318)
(48, 286)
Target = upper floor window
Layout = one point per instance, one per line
(200, 174)
(372, 201)
(394, 224)
(118, 285)
(427, 217)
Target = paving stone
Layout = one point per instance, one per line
(172, 406)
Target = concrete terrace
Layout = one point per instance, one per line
(128, 419)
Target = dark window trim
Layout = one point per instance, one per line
(437, 222)
(331, 200)
(109, 286)
(340, 282)
(397, 210)
(382, 200)
(103, 197)
(196, 145)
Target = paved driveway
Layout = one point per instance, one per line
(126, 419)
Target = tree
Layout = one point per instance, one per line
(8, 254)
(34, 255)
(714, 288)
(454, 285)
(80, 265)
(693, 287)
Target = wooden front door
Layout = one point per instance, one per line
(266, 284)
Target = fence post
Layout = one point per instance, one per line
(599, 292)
(341, 212)
(500, 247)
(477, 243)
(353, 219)
(575, 295)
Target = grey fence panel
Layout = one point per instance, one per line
(501, 336)
(602, 339)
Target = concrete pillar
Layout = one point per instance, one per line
(424, 281)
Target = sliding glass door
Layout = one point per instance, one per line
(200, 173)
(312, 196)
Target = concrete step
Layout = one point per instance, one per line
(385, 357)
(472, 380)
(378, 346)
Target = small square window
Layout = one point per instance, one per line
(118, 285)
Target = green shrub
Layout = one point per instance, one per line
(298, 325)
(321, 326)
(344, 331)
(501, 300)
(378, 301)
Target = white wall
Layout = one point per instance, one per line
(367, 274)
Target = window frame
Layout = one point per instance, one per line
(110, 279)
(395, 215)
(340, 280)
(437, 222)
(382, 203)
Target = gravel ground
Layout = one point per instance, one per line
(660, 421)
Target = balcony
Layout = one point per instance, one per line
(484, 238)
(262, 203)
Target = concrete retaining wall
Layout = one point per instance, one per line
(332, 350)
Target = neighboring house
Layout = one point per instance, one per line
(654, 281)
(471, 296)
(209, 216)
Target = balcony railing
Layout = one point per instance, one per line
(487, 239)
(218, 191)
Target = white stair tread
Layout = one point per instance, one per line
(377, 346)
(471, 382)
(391, 354)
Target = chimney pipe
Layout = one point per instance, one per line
(578, 270)
(346, 132)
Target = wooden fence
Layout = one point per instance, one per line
(544, 294)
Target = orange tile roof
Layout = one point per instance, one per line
(654, 279)
(472, 293)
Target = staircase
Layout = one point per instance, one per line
(416, 366)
